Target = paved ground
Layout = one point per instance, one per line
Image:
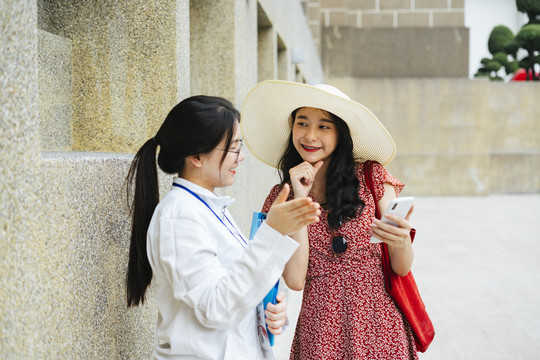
(477, 266)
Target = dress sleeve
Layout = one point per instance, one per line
(272, 196)
(381, 176)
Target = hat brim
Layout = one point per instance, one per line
(266, 129)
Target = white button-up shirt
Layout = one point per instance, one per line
(206, 285)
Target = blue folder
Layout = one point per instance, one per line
(256, 221)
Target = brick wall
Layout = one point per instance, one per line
(384, 14)
(388, 13)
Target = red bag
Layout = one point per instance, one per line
(403, 289)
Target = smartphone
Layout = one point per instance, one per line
(399, 207)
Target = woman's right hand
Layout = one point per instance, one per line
(303, 177)
(288, 217)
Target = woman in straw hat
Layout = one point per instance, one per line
(319, 139)
(207, 279)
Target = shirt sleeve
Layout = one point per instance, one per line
(381, 176)
(220, 296)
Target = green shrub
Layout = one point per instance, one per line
(524, 63)
(501, 57)
(499, 38)
(482, 72)
(529, 37)
(528, 5)
(512, 48)
(502, 43)
(493, 65)
(531, 8)
(511, 67)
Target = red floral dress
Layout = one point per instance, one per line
(346, 312)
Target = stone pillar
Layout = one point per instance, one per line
(212, 46)
(266, 47)
(223, 46)
(108, 74)
(284, 65)
(55, 92)
(21, 289)
(267, 54)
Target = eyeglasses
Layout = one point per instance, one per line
(237, 152)
(339, 244)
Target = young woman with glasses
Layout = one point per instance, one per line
(322, 140)
(207, 278)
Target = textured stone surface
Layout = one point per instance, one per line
(213, 44)
(183, 51)
(124, 68)
(457, 136)
(21, 291)
(245, 53)
(55, 91)
(266, 54)
(83, 247)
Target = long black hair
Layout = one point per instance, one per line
(195, 126)
(341, 182)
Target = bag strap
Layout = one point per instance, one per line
(387, 267)
(368, 176)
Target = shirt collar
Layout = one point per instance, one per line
(217, 202)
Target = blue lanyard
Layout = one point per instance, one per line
(241, 241)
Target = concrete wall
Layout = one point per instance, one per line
(389, 13)
(457, 136)
(395, 53)
(390, 38)
(82, 86)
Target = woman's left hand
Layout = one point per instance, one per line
(395, 236)
(276, 314)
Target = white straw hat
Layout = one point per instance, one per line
(266, 123)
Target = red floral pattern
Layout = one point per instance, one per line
(346, 312)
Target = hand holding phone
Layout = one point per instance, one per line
(399, 207)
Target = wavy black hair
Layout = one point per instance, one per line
(195, 126)
(341, 182)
